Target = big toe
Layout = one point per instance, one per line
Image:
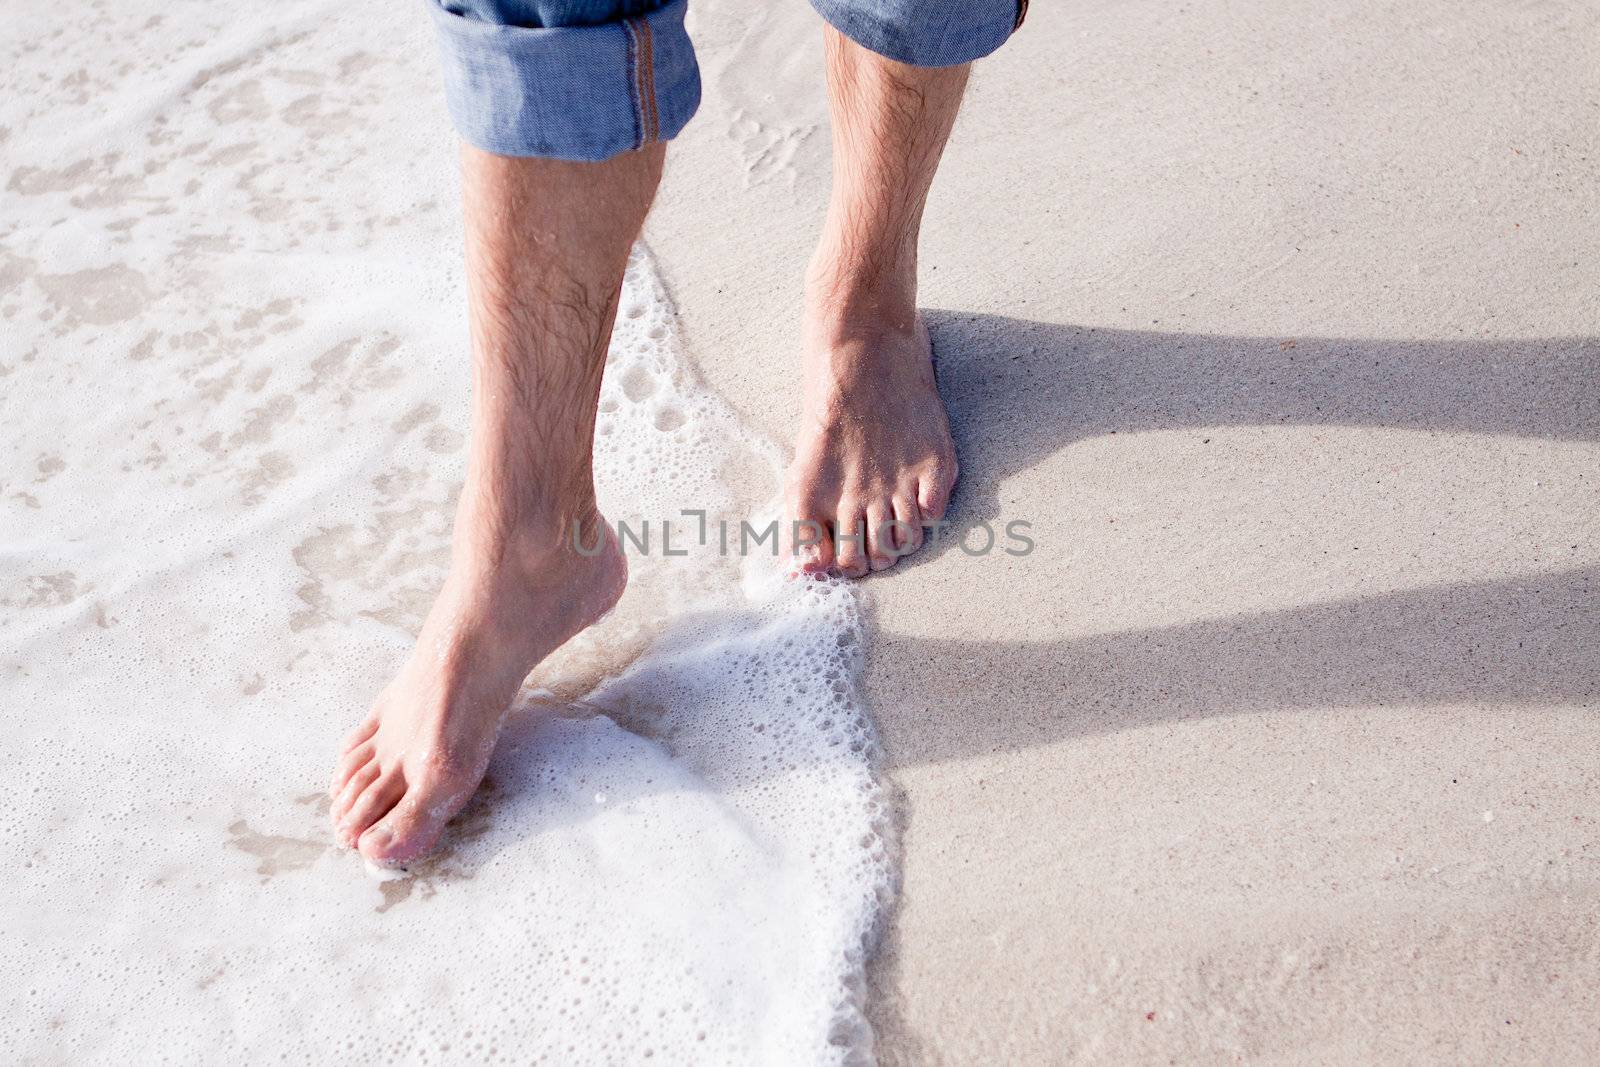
(412, 827)
(808, 535)
(934, 488)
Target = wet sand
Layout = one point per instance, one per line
(1280, 325)
(233, 392)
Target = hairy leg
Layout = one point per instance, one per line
(547, 242)
(874, 456)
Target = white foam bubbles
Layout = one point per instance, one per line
(235, 396)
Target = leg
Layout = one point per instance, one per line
(875, 445)
(547, 242)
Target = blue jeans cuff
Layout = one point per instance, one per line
(926, 33)
(581, 93)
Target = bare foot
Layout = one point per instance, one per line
(422, 750)
(874, 455)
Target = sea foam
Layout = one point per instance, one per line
(234, 400)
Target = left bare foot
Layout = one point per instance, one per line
(421, 752)
(874, 459)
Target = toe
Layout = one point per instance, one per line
(808, 536)
(353, 789)
(360, 735)
(908, 516)
(881, 535)
(349, 763)
(813, 546)
(933, 492)
(412, 826)
(405, 833)
(849, 539)
(374, 803)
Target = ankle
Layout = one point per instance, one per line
(491, 540)
(861, 328)
(569, 574)
(865, 288)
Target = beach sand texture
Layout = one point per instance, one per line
(1279, 322)
(234, 403)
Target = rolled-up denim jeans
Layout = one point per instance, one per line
(586, 80)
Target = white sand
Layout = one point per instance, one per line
(1278, 321)
(234, 401)
(1282, 324)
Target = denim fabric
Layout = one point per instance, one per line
(926, 33)
(589, 79)
(566, 79)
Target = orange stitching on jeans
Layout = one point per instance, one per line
(633, 70)
(644, 80)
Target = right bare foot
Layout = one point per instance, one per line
(421, 752)
(547, 245)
